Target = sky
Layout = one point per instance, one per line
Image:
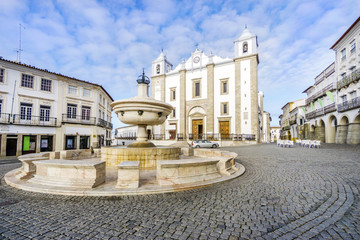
(110, 42)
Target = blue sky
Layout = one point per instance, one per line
(109, 42)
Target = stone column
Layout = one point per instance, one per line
(210, 98)
(19, 145)
(183, 102)
(38, 143)
(341, 134)
(320, 133)
(255, 128)
(237, 96)
(77, 139)
(353, 136)
(3, 145)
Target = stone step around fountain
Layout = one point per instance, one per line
(69, 173)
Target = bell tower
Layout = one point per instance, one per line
(161, 65)
(246, 44)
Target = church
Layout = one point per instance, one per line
(213, 97)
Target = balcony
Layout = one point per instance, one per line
(330, 108)
(320, 93)
(78, 119)
(292, 122)
(103, 123)
(347, 105)
(354, 76)
(33, 120)
(5, 118)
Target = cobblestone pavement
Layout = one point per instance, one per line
(295, 193)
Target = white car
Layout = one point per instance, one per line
(204, 144)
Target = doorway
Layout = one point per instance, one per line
(11, 146)
(197, 129)
(224, 129)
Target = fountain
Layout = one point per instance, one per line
(140, 168)
(141, 110)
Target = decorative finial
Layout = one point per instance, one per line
(245, 26)
(142, 78)
(197, 45)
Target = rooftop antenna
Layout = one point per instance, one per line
(19, 50)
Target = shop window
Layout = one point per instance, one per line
(84, 142)
(70, 142)
(29, 144)
(46, 143)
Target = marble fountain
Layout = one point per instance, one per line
(139, 168)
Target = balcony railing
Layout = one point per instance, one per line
(354, 76)
(347, 105)
(5, 118)
(330, 108)
(103, 123)
(292, 122)
(33, 120)
(320, 93)
(69, 118)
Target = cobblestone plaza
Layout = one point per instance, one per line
(285, 193)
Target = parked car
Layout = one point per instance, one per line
(204, 144)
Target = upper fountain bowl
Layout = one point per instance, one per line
(141, 111)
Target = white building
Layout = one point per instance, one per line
(213, 97)
(46, 111)
(333, 102)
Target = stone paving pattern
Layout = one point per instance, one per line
(286, 193)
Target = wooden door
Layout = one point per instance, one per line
(197, 128)
(224, 129)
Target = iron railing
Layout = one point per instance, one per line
(103, 123)
(82, 119)
(5, 118)
(23, 119)
(353, 103)
(352, 77)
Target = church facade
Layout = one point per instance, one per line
(213, 97)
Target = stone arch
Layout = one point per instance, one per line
(331, 129)
(353, 136)
(196, 122)
(320, 131)
(312, 131)
(342, 130)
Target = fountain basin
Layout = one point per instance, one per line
(147, 156)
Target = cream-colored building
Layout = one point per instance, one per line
(213, 97)
(333, 102)
(292, 120)
(46, 111)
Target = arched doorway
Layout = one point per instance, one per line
(312, 132)
(331, 129)
(342, 130)
(197, 123)
(320, 131)
(353, 136)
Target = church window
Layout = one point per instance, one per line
(224, 108)
(158, 69)
(245, 47)
(224, 86)
(173, 114)
(172, 94)
(196, 88)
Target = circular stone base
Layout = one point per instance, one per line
(141, 145)
(147, 156)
